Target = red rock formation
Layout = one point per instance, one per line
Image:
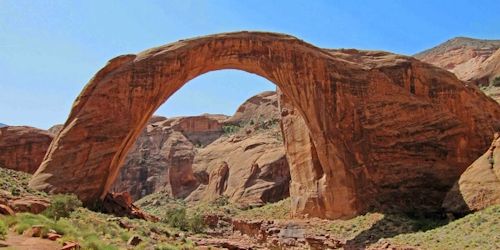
(473, 60)
(163, 155)
(479, 186)
(120, 204)
(405, 162)
(23, 148)
(372, 117)
(461, 55)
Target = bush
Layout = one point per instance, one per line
(3, 230)
(178, 218)
(496, 82)
(62, 205)
(221, 201)
(230, 129)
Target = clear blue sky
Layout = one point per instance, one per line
(50, 49)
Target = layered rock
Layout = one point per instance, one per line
(383, 126)
(407, 165)
(179, 155)
(162, 156)
(22, 148)
(479, 186)
(463, 56)
(248, 169)
(473, 60)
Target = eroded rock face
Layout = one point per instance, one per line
(479, 186)
(186, 154)
(408, 166)
(22, 148)
(372, 117)
(248, 169)
(162, 156)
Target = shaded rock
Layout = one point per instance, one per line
(134, 240)
(22, 148)
(162, 156)
(479, 186)
(120, 204)
(6, 210)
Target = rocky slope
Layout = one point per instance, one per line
(22, 148)
(202, 158)
(469, 59)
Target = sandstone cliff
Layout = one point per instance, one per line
(22, 148)
(239, 157)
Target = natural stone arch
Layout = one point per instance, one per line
(332, 96)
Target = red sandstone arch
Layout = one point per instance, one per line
(333, 95)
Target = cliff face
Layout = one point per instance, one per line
(202, 158)
(22, 148)
(406, 166)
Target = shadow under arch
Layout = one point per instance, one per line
(115, 105)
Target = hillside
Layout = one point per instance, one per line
(470, 59)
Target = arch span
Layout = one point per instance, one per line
(329, 93)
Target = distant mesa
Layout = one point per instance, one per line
(3, 125)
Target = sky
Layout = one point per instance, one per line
(49, 50)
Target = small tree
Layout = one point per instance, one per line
(62, 205)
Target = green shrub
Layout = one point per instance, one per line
(196, 223)
(3, 230)
(221, 201)
(62, 205)
(496, 82)
(230, 129)
(178, 218)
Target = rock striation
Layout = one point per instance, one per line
(162, 156)
(383, 126)
(22, 148)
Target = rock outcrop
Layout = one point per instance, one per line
(383, 126)
(248, 169)
(162, 156)
(185, 154)
(461, 55)
(409, 162)
(479, 186)
(22, 148)
(471, 60)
